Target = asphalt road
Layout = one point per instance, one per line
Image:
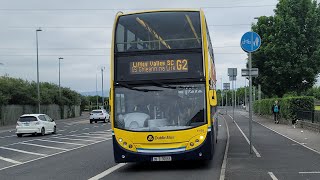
(81, 151)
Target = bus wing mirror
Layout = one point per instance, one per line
(213, 97)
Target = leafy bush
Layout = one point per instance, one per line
(289, 106)
(22, 92)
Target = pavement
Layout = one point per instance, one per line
(82, 150)
(279, 151)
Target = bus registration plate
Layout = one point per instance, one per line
(162, 158)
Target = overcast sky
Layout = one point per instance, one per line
(81, 34)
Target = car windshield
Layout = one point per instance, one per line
(27, 119)
(96, 112)
(159, 108)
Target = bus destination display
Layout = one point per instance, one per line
(159, 66)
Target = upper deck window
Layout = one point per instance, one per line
(158, 31)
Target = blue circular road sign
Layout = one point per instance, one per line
(250, 42)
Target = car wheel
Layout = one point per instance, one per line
(43, 131)
(90, 121)
(19, 135)
(95, 121)
(105, 120)
(54, 130)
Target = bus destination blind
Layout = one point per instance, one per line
(159, 66)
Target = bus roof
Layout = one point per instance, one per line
(159, 10)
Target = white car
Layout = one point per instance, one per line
(35, 124)
(99, 115)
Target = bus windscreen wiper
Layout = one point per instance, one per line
(133, 88)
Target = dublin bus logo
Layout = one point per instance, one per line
(150, 138)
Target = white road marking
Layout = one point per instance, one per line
(87, 136)
(74, 139)
(21, 151)
(312, 172)
(109, 130)
(61, 130)
(85, 128)
(224, 164)
(95, 126)
(55, 154)
(59, 142)
(108, 171)
(302, 144)
(101, 135)
(272, 176)
(254, 149)
(9, 160)
(73, 131)
(49, 147)
(7, 136)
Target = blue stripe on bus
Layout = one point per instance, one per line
(161, 150)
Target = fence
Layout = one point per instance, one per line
(313, 116)
(10, 113)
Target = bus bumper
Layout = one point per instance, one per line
(203, 152)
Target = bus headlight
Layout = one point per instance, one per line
(126, 144)
(196, 141)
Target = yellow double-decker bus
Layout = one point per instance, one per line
(163, 80)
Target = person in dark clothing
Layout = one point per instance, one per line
(276, 110)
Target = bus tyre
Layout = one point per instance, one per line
(19, 135)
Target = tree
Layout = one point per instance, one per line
(289, 58)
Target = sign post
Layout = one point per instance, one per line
(226, 86)
(232, 73)
(250, 42)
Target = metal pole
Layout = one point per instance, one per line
(221, 93)
(59, 79)
(226, 102)
(97, 90)
(245, 92)
(250, 104)
(235, 93)
(38, 85)
(102, 86)
(233, 102)
(259, 97)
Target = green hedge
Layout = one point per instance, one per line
(288, 106)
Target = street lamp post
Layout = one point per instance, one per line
(102, 69)
(60, 58)
(38, 85)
